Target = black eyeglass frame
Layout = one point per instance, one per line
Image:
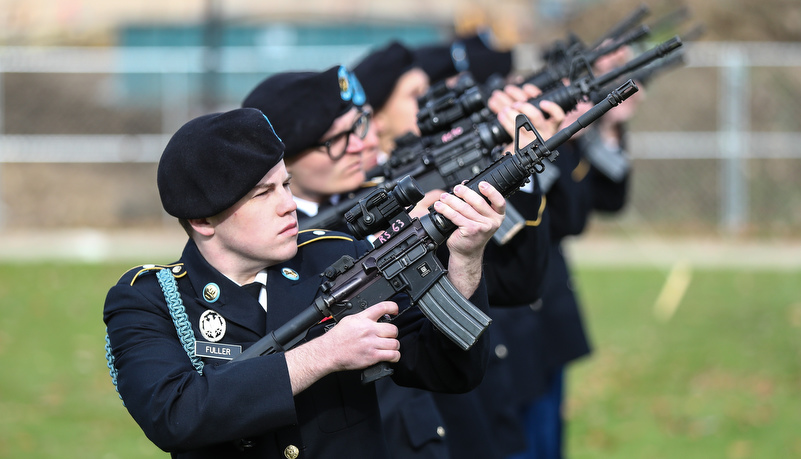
(362, 122)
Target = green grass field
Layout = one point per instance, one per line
(720, 379)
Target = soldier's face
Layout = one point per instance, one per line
(399, 114)
(315, 176)
(262, 227)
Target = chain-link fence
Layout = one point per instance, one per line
(714, 143)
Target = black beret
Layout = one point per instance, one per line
(381, 70)
(436, 61)
(485, 60)
(304, 105)
(214, 160)
(469, 54)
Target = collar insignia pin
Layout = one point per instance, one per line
(211, 292)
(290, 274)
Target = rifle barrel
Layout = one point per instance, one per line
(625, 24)
(656, 52)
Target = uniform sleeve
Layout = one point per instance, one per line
(570, 198)
(608, 195)
(515, 271)
(178, 408)
(610, 170)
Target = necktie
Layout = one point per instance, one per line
(254, 288)
(258, 288)
(325, 205)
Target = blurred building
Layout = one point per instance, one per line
(90, 92)
(95, 21)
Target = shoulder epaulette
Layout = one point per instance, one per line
(581, 170)
(308, 236)
(539, 214)
(176, 268)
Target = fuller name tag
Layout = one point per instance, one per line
(217, 350)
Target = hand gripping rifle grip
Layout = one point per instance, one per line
(375, 372)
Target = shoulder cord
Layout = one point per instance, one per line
(179, 318)
(112, 370)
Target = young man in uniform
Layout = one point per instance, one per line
(172, 329)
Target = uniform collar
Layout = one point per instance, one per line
(234, 303)
(307, 207)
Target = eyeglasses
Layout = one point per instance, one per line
(359, 129)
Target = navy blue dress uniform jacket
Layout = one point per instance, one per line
(414, 428)
(246, 408)
(570, 204)
(580, 190)
(484, 423)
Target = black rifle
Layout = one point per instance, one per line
(561, 49)
(437, 114)
(563, 56)
(576, 62)
(669, 61)
(446, 159)
(443, 160)
(403, 259)
(625, 24)
(443, 90)
(567, 96)
(646, 74)
(437, 111)
(441, 105)
(333, 217)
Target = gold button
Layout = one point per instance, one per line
(441, 431)
(501, 351)
(291, 452)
